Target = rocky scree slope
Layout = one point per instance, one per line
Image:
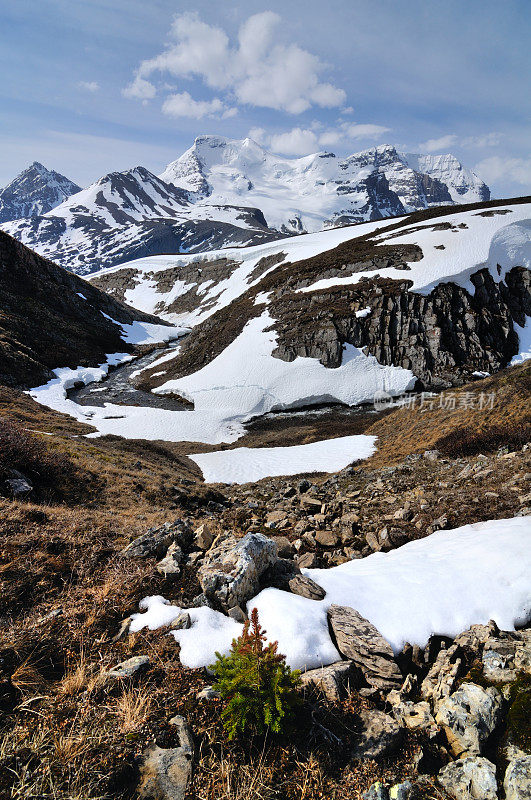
(51, 318)
(449, 327)
(34, 192)
(224, 192)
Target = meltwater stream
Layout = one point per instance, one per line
(118, 387)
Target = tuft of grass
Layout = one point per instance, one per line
(133, 709)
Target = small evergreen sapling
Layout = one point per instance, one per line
(254, 678)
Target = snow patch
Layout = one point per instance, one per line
(247, 464)
(442, 584)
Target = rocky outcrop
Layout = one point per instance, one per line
(357, 639)
(442, 337)
(469, 717)
(166, 772)
(380, 735)
(517, 782)
(334, 681)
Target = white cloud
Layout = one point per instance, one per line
(140, 89)
(486, 140)
(297, 142)
(442, 143)
(89, 86)
(302, 141)
(258, 70)
(184, 105)
(498, 168)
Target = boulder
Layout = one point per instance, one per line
(155, 542)
(165, 773)
(357, 639)
(128, 669)
(469, 716)
(18, 485)
(230, 573)
(204, 535)
(284, 547)
(517, 782)
(380, 735)
(414, 716)
(327, 538)
(471, 778)
(333, 681)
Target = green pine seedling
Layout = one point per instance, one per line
(259, 688)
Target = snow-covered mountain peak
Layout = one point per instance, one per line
(34, 191)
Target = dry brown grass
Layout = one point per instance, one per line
(133, 709)
(407, 431)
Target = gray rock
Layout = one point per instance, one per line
(453, 662)
(305, 587)
(405, 791)
(128, 669)
(380, 735)
(18, 487)
(517, 782)
(505, 655)
(414, 716)
(155, 542)
(469, 716)
(208, 693)
(230, 574)
(334, 681)
(182, 623)
(171, 563)
(356, 638)
(472, 778)
(376, 792)
(165, 773)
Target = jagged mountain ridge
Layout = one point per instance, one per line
(225, 192)
(320, 189)
(33, 192)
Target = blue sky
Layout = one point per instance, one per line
(91, 86)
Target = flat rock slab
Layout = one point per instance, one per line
(129, 669)
(357, 639)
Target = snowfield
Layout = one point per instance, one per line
(503, 239)
(246, 380)
(441, 584)
(247, 464)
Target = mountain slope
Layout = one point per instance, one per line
(225, 192)
(435, 296)
(35, 191)
(131, 214)
(51, 318)
(309, 192)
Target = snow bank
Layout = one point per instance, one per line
(441, 584)
(246, 464)
(246, 380)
